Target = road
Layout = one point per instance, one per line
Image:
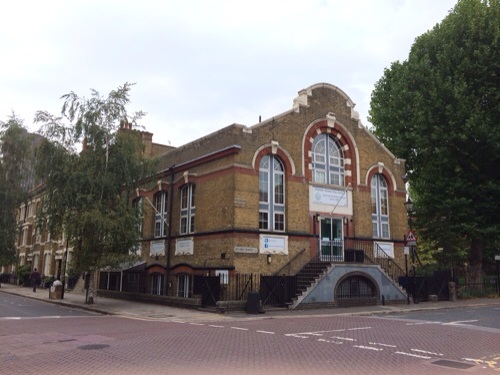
(417, 343)
(13, 306)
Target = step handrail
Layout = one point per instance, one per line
(289, 262)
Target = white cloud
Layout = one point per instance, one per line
(201, 65)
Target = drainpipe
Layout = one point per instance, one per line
(169, 229)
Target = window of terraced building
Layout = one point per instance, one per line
(271, 194)
(187, 209)
(380, 206)
(139, 211)
(327, 161)
(160, 214)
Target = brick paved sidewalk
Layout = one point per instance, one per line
(141, 310)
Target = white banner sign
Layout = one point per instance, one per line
(330, 196)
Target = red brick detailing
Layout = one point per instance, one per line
(387, 176)
(321, 126)
(280, 154)
(155, 268)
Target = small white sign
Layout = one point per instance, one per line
(497, 257)
(157, 248)
(245, 250)
(273, 244)
(184, 247)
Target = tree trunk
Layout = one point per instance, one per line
(90, 297)
(476, 262)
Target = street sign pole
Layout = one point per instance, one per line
(497, 261)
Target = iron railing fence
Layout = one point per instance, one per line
(358, 251)
(488, 288)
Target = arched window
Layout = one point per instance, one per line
(160, 214)
(271, 194)
(380, 206)
(327, 161)
(187, 209)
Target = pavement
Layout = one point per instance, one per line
(148, 311)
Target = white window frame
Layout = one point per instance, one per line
(160, 212)
(184, 285)
(188, 209)
(327, 161)
(379, 196)
(271, 194)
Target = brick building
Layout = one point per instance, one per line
(311, 183)
(308, 186)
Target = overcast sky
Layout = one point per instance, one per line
(202, 65)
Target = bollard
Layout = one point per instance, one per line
(453, 291)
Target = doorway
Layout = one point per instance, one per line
(331, 243)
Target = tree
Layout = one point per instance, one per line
(439, 110)
(16, 178)
(87, 194)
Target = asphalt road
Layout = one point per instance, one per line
(14, 306)
(487, 317)
(417, 343)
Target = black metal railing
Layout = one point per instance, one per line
(358, 251)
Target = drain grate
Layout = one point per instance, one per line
(93, 347)
(452, 364)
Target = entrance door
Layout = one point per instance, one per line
(331, 243)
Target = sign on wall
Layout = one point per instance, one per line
(184, 247)
(331, 200)
(273, 244)
(332, 197)
(245, 250)
(388, 248)
(157, 248)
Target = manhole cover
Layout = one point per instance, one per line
(93, 347)
(452, 364)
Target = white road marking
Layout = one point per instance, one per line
(178, 321)
(241, 329)
(422, 323)
(197, 324)
(459, 322)
(298, 335)
(367, 348)
(360, 328)
(414, 355)
(331, 342)
(214, 326)
(380, 344)
(343, 338)
(268, 332)
(425, 352)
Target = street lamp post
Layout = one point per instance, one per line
(409, 205)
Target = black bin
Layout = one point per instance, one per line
(253, 303)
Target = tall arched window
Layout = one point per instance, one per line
(327, 161)
(271, 194)
(380, 206)
(160, 214)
